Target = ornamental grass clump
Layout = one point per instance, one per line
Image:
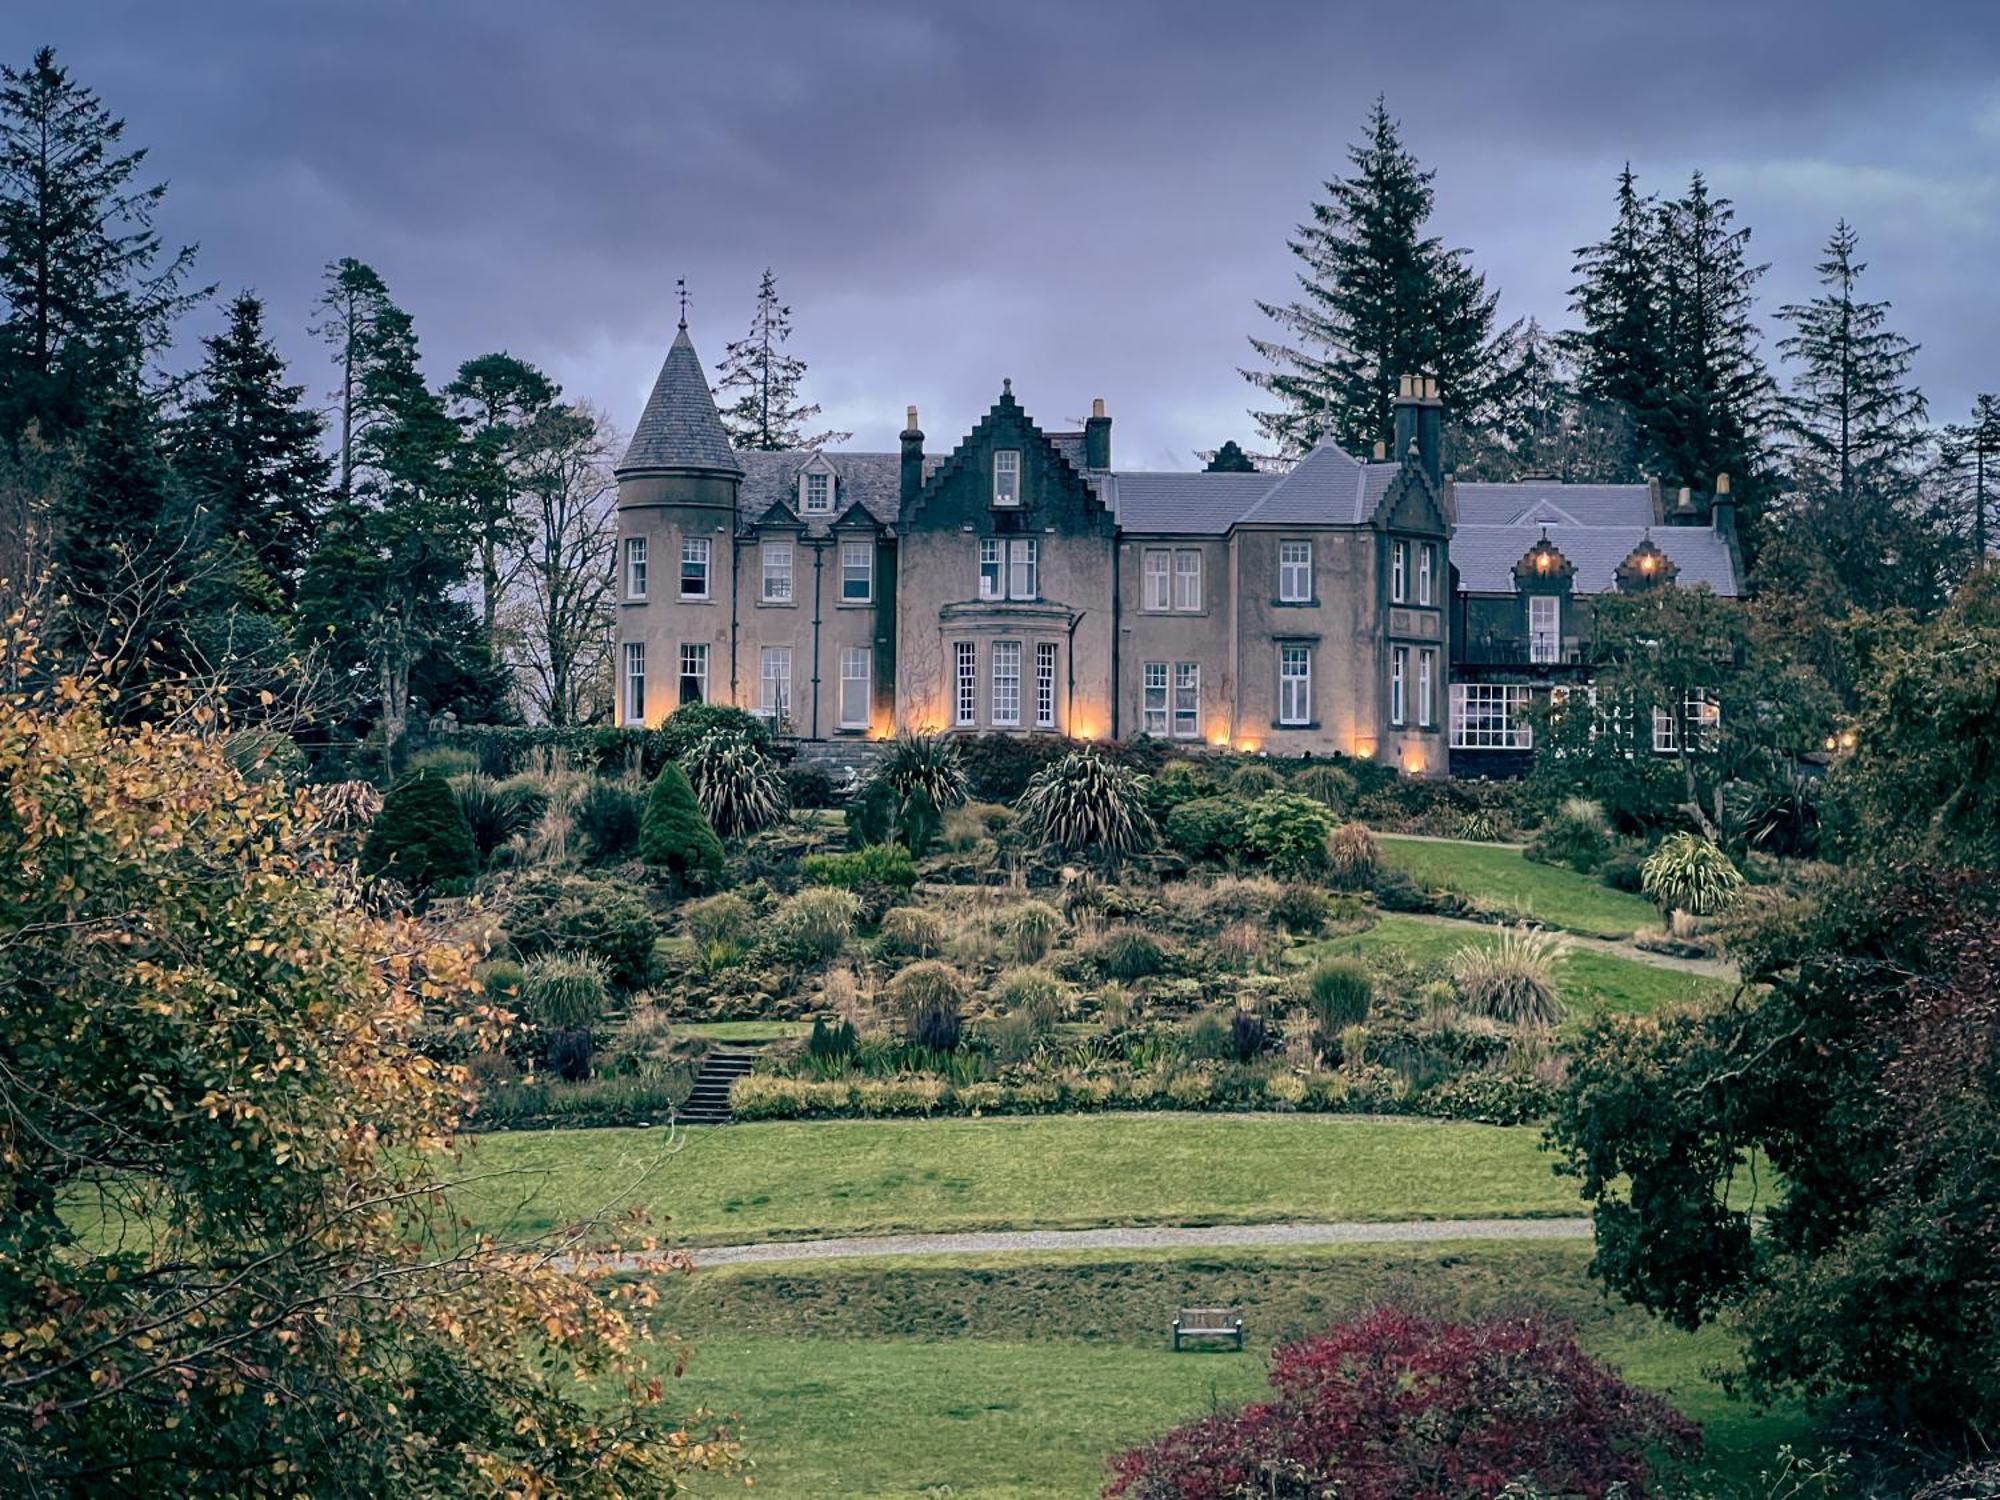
(1034, 927)
(929, 996)
(1689, 873)
(494, 813)
(1339, 993)
(814, 925)
(1578, 835)
(1512, 980)
(910, 932)
(1088, 803)
(1353, 858)
(564, 991)
(739, 786)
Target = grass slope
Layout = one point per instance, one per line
(1504, 878)
(1018, 1376)
(840, 1177)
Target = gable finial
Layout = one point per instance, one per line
(1006, 386)
(681, 286)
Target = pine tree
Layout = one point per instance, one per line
(249, 453)
(1714, 394)
(1619, 351)
(86, 293)
(1381, 299)
(352, 297)
(767, 411)
(1974, 460)
(1856, 430)
(495, 398)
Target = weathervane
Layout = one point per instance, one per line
(681, 283)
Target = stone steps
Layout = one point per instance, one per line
(708, 1101)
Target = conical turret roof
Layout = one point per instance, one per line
(680, 428)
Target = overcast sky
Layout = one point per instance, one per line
(1087, 197)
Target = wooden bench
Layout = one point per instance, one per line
(1208, 1323)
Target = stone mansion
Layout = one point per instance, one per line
(1022, 583)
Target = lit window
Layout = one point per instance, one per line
(1007, 683)
(1007, 477)
(1187, 700)
(1426, 565)
(1153, 700)
(818, 493)
(694, 568)
(694, 672)
(1045, 685)
(1023, 568)
(989, 568)
(1399, 671)
(1158, 562)
(774, 685)
(1187, 580)
(857, 572)
(966, 707)
(1490, 716)
(1295, 567)
(1399, 572)
(777, 572)
(1544, 628)
(635, 567)
(1295, 684)
(635, 682)
(855, 669)
(1427, 688)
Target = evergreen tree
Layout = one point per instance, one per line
(353, 296)
(1381, 299)
(495, 398)
(1714, 395)
(758, 393)
(1973, 459)
(87, 288)
(249, 454)
(1619, 351)
(1857, 434)
(1536, 422)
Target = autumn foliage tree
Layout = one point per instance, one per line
(223, 1269)
(1394, 1406)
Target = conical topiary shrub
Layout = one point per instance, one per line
(421, 838)
(674, 836)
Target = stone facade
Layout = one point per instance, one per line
(1021, 583)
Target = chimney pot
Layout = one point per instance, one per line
(1381, 450)
(1097, 406)
(1722, 484)
(911, 424)
(1687, 498)
(1430, 388)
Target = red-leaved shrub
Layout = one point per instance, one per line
(1395, 1406)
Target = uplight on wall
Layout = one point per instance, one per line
(1364, 747)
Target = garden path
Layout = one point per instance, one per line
(1707, 968)
(1234, 1236)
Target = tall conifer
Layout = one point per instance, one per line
(758, 392)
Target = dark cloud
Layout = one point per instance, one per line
(1084, 197)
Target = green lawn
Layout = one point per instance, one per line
(744, 1031)
(836, 1177)
(1504, 878)
(1017, 1376)
(1591, 982)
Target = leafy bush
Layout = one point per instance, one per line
(608, 815)
(1339, 993)
(421, 839)
(911, 932)
(1127, 953)
(1000, 766)
(930, 998)
(501, 980)
(1353, 858)
(1088, 802)
(564, 991)
(737, 783)
(876, 864)
(726, 918)
(814, 925)
(1490, 1098)
(691, 723)
(1393, 1404)
(1513, 979)
(1288, 832)
(1578, 836)
(1207, 829)
(1302, 910)
(809, 786)
(493, 812)
(265, 755)
(1254, 780)
(1397, 890)
(1326, 784)
(1624, 871)
(1034, 927)
(674, 835)
(603, 918)
(1687, 873)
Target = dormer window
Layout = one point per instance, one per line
(1007, 477)
(816, 493)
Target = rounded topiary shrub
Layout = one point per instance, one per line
(421, 839)
(604, 919)
(1254, 779)
(674, 836)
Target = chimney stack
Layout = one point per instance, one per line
(1722, 508)
(1097, 437)
(913, 461)
(1430, 430)
(1403, 432)
(1684, 511)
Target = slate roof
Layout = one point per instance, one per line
(875, 480)
(1538, 501)
(1325, 488)
(679, 428)
(1485, 555)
